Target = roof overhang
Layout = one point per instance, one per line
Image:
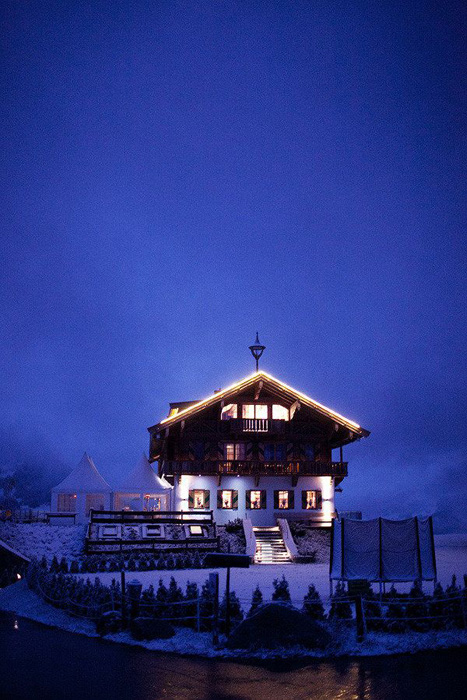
(274, 385)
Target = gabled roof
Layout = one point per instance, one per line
(281, 389)
(143, 478)
(84, 478)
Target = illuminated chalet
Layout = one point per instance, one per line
(258, 449)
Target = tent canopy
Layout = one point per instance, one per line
(383, 550)
(83, 479)
(143, 479)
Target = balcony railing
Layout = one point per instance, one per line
(256, 425)
(255, 468)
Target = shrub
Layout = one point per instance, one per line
(256, 600)
(312, 605)
(54, 565)
(74, 567)
(234, 526)
(372, 610)
(236, 612)
(340, 607)
(395, 613)
(174, 595)
(206, 605)
(191, 610)
(281, 590)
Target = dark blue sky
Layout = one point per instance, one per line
(177, 175)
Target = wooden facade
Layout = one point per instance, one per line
(259, 430)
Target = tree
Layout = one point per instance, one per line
(312, 605)
(340, 606)
(256, 601)
(281, 590)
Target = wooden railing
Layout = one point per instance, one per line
(253, 468)
(139, 517)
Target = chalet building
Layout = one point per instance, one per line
(258, 450)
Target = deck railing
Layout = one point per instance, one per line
(253, 468)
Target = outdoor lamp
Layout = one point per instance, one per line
(257, 349)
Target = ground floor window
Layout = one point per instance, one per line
(283, 500)
(66, 503)
(227, 499)
(94, 501)
(311, 500)
(256, 500)
(198, 499)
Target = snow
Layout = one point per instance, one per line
(18, 599)
(450, 559)
(39, 539)
(83, 478)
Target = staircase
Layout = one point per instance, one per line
(270, 547)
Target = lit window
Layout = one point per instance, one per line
(229, 411)
(254, 411)
(66, 503)
(151, 502)
(94, 501)
(199, 498)
(234, 451)
(280, 412)
(196, 530)
(255, 499)
(226, 497)
(283, 499)
(311, 500)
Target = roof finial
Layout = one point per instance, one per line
(257, 350)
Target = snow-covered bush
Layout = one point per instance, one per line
(281, 590)
(312, 605)
(340, 606)
(236, 612)
(256, 600)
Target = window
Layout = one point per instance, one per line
(227, 499)
(280, 412)
(311, 500)
(234, 451)
(151, 502)
(254, 411)
(153, 530)
(229, 411)
(94, 501)
(66, 503)
(274, 453)
(196, 531)
(284, 500)
(309, 452)
(198, 499)
(255, 500)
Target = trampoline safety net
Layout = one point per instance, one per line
(383, 550)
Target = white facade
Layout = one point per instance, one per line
(322, 485)
(142, 490)
(82, 490)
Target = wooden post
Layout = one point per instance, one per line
(359, 614)
(227, 603)
(198, 620)
(214, 582)
(122, 584)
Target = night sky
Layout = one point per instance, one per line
(178, 175)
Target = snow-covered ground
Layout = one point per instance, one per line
(451, 556)
(20, 600)
(39, 539)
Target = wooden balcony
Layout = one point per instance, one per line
(256, 425)
(255, 468)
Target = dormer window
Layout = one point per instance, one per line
(279, 412)
(229, 411)
(254, 410)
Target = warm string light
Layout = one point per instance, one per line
(250, 379)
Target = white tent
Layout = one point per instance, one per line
(82, 490)
(383, 550)
(142, 489)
